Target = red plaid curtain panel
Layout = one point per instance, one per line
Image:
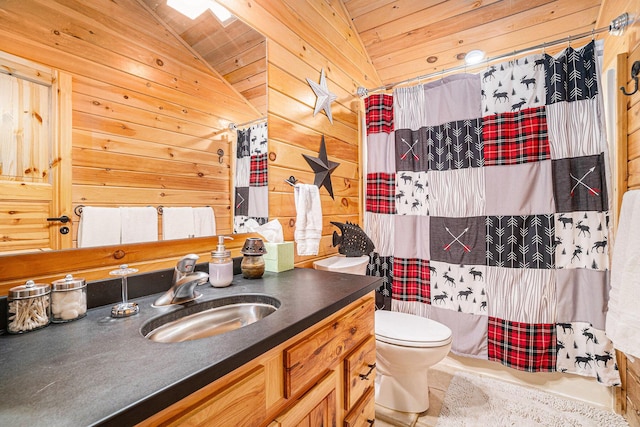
(251, 202)
(498, 210)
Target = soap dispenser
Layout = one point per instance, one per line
(221, 265)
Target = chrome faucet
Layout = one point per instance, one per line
(185, 280)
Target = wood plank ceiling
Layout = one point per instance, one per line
(233, 49)
(410, 38)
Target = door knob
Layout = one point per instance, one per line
(63, 219)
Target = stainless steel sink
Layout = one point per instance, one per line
(209, 318)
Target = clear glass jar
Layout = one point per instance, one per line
(28, 307)
(68, 299)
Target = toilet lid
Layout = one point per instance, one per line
(410, 330)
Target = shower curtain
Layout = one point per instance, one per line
(251, 203)
(487, 200)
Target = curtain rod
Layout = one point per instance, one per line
(234, 126)
(616, 27)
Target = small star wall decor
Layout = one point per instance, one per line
(324, 97)
(322, 167)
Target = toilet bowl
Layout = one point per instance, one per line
(343, 264)
(406, 347)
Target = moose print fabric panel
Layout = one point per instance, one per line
(412, 193)
(459, 287)
(581, 240)
(514, 86)
(585, 350)
(501, 227)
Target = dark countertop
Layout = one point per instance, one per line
(101, 371)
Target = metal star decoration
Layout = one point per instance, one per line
(324, 97)
(322, 167)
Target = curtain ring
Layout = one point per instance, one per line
(569, 41)
(544, 48)
(593, 33)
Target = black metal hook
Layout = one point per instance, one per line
(635, 70)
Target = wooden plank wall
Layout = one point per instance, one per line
(143, 120)
(305, 36)
(619, 54)
(93, 41)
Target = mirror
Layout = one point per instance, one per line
(148, 123)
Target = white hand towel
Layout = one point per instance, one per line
(308, 219)
(623, 316)
(204, 221)
(139, 224)
(99, 227)
(177, 223)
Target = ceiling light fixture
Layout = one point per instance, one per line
(474, 57)
(194, 8)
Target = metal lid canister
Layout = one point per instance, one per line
(68, 299)
(28, 307)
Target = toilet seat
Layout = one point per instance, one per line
(409, 330)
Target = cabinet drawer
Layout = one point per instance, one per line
(359, 371)
(363, 413)
(309, 358)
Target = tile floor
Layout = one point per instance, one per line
(439, 378)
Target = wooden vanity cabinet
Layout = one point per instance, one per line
(312, 379)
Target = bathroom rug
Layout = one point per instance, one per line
(475, 401)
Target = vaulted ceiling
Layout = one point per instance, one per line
(403, 38)
(409, 38)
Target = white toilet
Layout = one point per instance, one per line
(406, 347)
(343, 264)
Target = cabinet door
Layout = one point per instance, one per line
(240, 404)
(363, 413)
(311, 356)
(359, 371)
(315, 408)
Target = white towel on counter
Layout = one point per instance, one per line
(139, 224)
(308, 219)
(623, 316)
(204, 221)
(99, 227)
(177, 223)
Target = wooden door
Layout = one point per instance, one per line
(33, 122)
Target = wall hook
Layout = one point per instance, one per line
(635, 70)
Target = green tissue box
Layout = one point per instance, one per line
(279, 257)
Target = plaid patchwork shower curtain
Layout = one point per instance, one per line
(487, 200)
(251, 203)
